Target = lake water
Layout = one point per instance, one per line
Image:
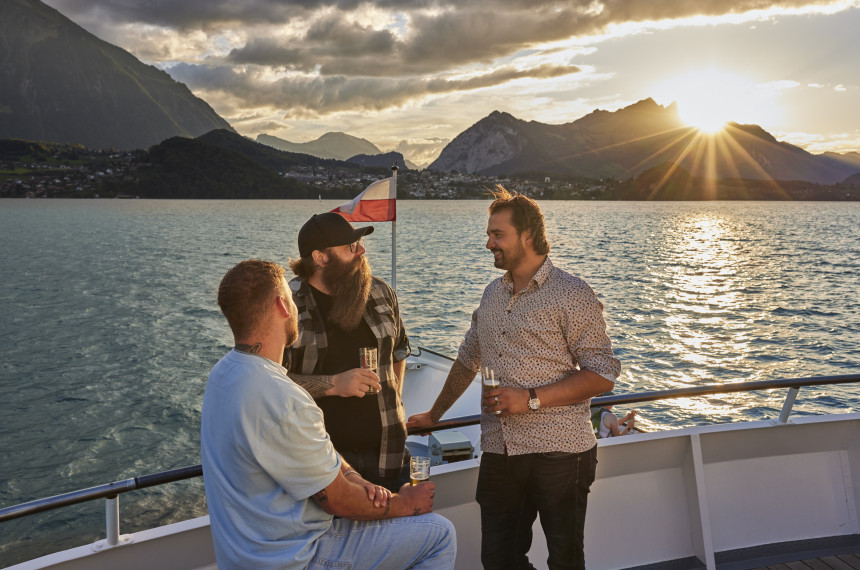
(109, 324)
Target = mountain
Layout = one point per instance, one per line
(269, 157)
(190, 168)
(340, 146)
(385, 160)
(60, 83)
(627, 142)
(669, 181)
(850, 160)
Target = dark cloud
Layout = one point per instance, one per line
(327, 94)
(186, 14)
(467, 32)
(265, 51)
(333, 44)
(578, 15)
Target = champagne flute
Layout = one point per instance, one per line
(367, 360)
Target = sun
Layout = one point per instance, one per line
(709, 98)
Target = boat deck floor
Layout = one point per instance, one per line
(840, 562)
(833, 553)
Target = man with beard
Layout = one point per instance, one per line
(541, 331)
(342, 308)
(274, 482)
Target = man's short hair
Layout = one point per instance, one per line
(247, 292)
(525, 215)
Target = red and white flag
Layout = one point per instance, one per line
(378, 203)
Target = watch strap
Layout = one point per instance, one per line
(534, 403)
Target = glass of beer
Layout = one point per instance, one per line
(419, 469)
(367, 359)
(489, 382)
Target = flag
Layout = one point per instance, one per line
(378, 203)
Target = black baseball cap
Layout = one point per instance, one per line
(328, 230)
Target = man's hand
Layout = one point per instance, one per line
(506, 401)
(419, 498)
(418, 421)
(355, 382)
(377, 495)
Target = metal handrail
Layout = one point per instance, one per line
(111, 490)
(106, 491)
(672, 394)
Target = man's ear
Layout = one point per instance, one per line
(282, 307)
(320, 258)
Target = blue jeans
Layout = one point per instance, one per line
(426, 541)
(514, 489)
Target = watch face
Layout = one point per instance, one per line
(534, 404)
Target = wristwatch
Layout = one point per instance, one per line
(534, 402)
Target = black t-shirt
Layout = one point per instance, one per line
(354, 424)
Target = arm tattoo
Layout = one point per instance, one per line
(387, 508)
(316, 385)
(416, 512)
(321, 497)
(458, 380)
(250, 348)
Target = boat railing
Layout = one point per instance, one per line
(111, 491)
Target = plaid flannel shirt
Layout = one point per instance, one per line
(307, 355)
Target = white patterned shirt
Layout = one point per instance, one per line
(532, 338)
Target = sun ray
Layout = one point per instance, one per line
(687, 132)
(742, 152)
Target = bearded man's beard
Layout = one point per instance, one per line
(349, 285)
(512, 261)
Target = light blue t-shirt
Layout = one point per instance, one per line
(265, 452)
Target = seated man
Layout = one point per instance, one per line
(273, 480)
(611, 426)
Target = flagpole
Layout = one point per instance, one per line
(394, 233)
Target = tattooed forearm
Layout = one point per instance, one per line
(416, 512)
(250, 348)
(458, 380)
(316, 385)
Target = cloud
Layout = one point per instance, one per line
(423, 152)
(384, 37)
(817, 143)
(302, 94)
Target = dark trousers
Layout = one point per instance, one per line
(514, 489)
(367, 465)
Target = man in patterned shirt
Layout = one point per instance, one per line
(541, 331)
(343, 307)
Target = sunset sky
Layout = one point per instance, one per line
(411, 75)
